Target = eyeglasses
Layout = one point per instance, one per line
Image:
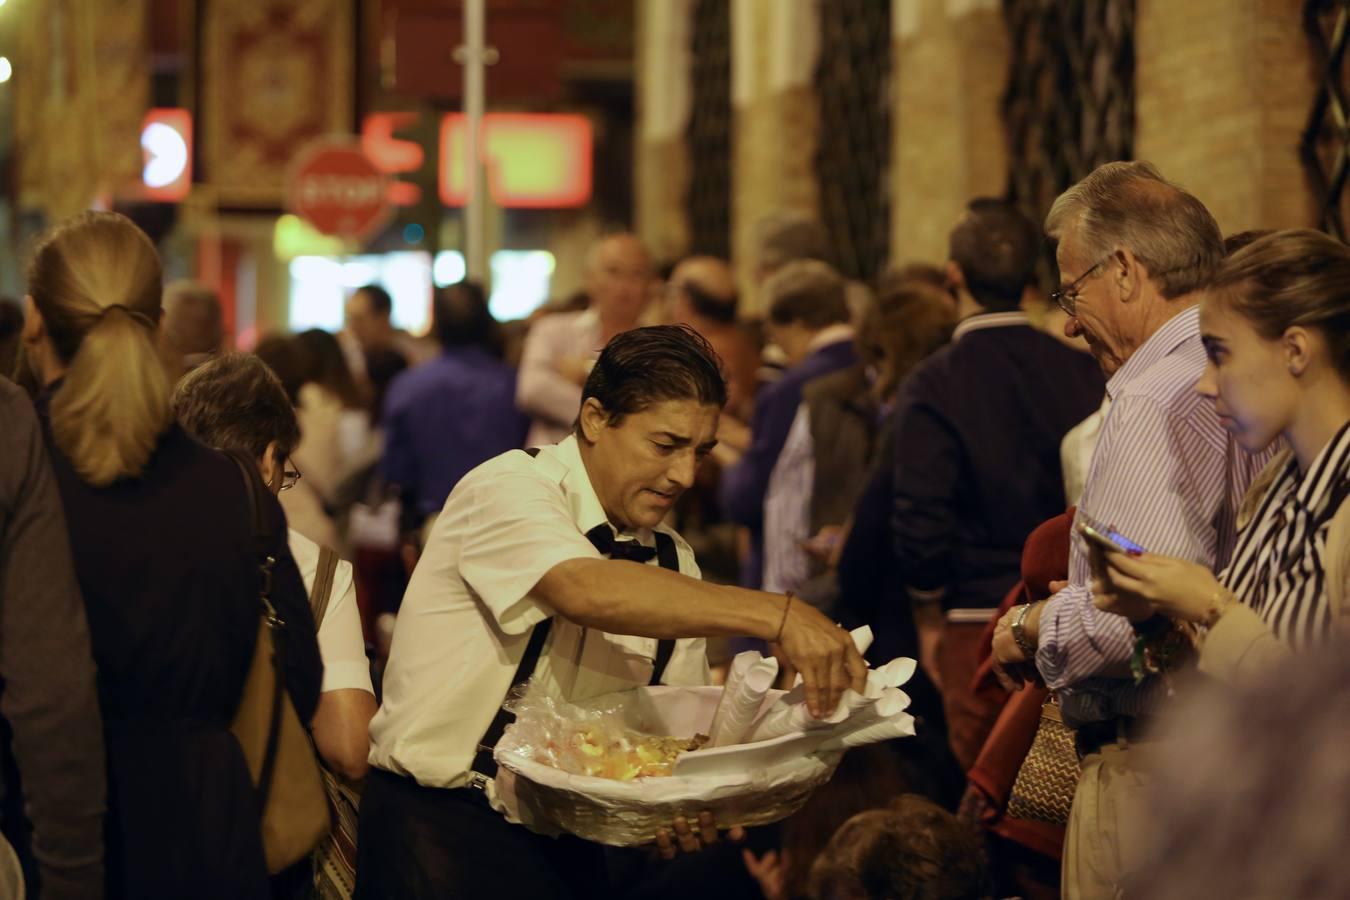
(1066, 298)
(289, 477)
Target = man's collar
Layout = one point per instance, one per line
(981, 321)
(830, 334)
(582, 501)
(1173, 333)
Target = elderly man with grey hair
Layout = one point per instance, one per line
(1135, 253)
(562, 347)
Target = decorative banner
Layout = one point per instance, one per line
(82, 86)
(276, 74)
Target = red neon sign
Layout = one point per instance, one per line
(533, 160)
(391, 155)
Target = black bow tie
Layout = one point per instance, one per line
(602, 538)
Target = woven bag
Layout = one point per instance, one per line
(1043, 791)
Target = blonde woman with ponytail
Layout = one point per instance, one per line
(165, 555)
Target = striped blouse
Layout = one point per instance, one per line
(1277, 567)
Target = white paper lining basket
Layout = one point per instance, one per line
(749, 784)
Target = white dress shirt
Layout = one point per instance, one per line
(468, 613)
(341, 644)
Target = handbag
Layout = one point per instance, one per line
(1048, 777)
(335, 858)
(276, 745)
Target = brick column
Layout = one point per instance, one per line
(951, 61)
(1223, 91)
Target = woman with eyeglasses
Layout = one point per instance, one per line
(165, 555)
(1276, 327)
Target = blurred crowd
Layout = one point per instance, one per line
(1106, 519)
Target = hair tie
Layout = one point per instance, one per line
(135, 314)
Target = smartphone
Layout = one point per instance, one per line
(1110, 539)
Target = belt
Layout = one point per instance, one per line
(1092, 736)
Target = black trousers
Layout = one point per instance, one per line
(420, 843)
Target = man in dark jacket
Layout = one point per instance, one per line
(977, 464)
(809, 320)
(49, 704)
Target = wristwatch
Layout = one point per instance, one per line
(1019, 631)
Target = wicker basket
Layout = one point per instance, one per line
(757, 783)
(1043, 791)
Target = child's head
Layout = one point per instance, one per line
(911, 850)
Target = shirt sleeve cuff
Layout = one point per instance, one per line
(350, 675)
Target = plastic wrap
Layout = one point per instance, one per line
(593, 741)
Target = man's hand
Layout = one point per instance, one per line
(770, 870)
(823, 653)
(1012, 666)
(824, 547)
(687, 840)
(929, 621)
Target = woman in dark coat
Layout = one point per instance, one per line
(164, 552)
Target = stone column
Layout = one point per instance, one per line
(1223, 91)
(949, 145)
(775, 44)
(662, 155)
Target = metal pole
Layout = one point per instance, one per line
(475, 222)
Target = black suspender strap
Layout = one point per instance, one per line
(483, 764)
(669, 558)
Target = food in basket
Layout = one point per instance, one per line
(622, 756)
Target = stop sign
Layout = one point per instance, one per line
(336, 188)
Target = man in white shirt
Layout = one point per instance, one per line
(561, 348)
(520, 547)
(234, 402)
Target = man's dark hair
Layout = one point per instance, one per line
(235, 402)
(709, 305)
(283, 357)
(380, 301)
(651, 365)
(995, 245)
(807, 291)
(1234, 242)
(460, 317)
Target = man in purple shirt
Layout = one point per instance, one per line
(448, 415)
(1135, 253)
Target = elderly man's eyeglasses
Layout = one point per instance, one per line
(289, 477)
(1066, 298)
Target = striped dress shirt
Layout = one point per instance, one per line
(1277, 568)
(1169, 477)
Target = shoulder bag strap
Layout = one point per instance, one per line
(253, 489)
(322, 592)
